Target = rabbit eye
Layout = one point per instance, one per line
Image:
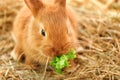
(43, 32)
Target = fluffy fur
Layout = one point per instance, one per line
(59, 24)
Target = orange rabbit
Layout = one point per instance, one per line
(42, 31)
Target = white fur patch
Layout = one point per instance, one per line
(14, 55)
(14, 38)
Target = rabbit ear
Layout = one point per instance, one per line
(61, 2)
(34, 5)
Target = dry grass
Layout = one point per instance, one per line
(99, 35)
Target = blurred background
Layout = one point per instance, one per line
(99, 35)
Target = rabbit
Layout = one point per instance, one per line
(43, 31)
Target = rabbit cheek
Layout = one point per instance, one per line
(48, 52)
(34, 38)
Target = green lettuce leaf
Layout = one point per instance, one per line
(60, 62)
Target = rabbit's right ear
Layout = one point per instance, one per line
(34, 5)
(61, 3)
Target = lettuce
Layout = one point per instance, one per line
(60, 62)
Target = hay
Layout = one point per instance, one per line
(99, 35)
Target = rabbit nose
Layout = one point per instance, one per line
(57, 51)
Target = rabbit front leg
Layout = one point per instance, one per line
(17, 53)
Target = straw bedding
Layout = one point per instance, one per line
(99, 35)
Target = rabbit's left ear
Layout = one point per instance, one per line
(34, 5)
(61, 3)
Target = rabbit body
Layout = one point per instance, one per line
(41, 31)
